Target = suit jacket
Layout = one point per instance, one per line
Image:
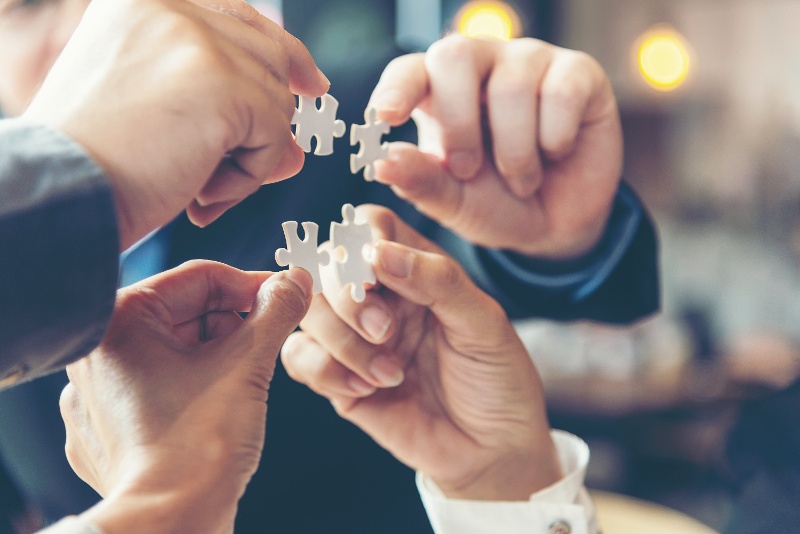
(58, 251)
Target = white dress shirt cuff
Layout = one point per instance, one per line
(563, 508)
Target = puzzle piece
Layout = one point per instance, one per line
(353, 240)
(321, 123)
(369, 135)
(302, 252)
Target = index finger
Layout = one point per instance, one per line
(403, 85)
(305, 78)
(199, 287)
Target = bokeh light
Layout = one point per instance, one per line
(496, 20)
(663, 58)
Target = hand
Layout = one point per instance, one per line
(166, 417)
(450, 390)
(520, 144)
(181, 103)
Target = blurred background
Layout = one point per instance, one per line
(709, 92)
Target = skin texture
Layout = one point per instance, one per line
(166, 418)
(450, 390)
(520, 144)
(183, 104)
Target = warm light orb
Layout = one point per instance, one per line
(497, 20)
(663, 58)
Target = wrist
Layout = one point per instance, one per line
(156, 513)
(512, 476)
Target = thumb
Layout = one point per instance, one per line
(281, 303)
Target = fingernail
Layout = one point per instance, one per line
(389, 100)
(302, 279)
(386, 371)
(376, 322)
(463, 163)
(359, 386)
(396, 260)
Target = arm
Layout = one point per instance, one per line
(519, 157)
(58, 251)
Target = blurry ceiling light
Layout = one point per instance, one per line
(663, 58)
(488, 19)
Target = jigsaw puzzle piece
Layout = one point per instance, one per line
(321, 123)
(371, 150)
(302, 252)
(354, 243)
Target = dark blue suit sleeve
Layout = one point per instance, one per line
(617, 282)
(58, 251)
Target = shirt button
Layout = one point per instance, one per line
(560, 527)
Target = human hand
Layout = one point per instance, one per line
(165, 419)
(520, 144)
(450, 390)
(181, 103)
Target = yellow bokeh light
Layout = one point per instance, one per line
(496, 20)
(663, 58)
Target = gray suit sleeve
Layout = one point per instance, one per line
(58, 251)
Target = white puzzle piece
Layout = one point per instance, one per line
(354, 241)
(302, 252)
(321, 123)
(371, 150)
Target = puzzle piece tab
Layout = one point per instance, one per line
(371, 150)
(302, 252)
(321, 123)
(354, 241)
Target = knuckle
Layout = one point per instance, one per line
(68, 401)
(583, 61)
(281, 61)
(450, 273)
(450, 50)
(493, 311)
(382, 219)
(529, 50)
(402, 63)
(516, 163)
(569, 93)
(73, 455)
(347, 343)
(288, 105)
(196, 265)
(287, 298)
(513, 87)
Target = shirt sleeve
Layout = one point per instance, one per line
(616, 282)
(71, 525)
(58, 251)
(563, 507)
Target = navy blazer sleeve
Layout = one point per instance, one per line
(58, 251)
(617, 282)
